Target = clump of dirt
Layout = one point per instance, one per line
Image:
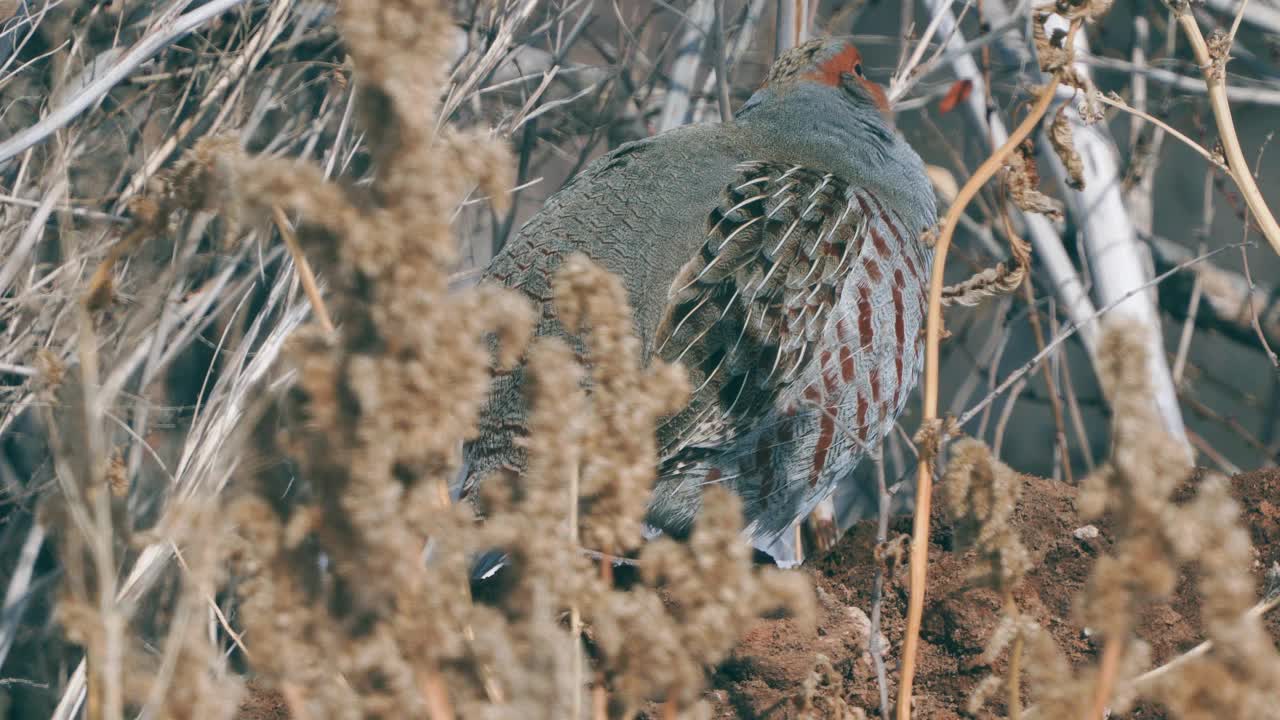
(765, 672)
(261, 703)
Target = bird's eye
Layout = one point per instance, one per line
(857, 70)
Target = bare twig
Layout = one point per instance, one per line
(1197, 289)
(19, 583)
(76, 211)
(722, 65)
(793, 21)
(1147, 678)
(1052, 256)
(924, 478)
(1108, 667)
(902, 77)
(1113, 250)
(1213, 70)
(1116, 102)
(684, 69)
(883, 501)
(733, 54)
(1230, 301)
(1262, 14)
(305, 274)
(1071, 329)
(1248, 94)
(164, 34)
(1253, 312)
(255, 48)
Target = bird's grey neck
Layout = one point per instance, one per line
(822, 128)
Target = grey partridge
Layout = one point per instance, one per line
(779, 257)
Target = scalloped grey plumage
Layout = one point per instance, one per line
(779, 258)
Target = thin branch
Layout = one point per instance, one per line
(76, 211)
(1145, 679)
(165, 34)
(305, 274)
(1230, 300)
(1253, 312)
(1213, 70)
(15, 597)
(902, 78)
(684, 69)
(1071, 329)
(924, 479)
(1265, 16)
(1116, 102)
(883, 501)
(1111, 241)
(1251, 94)
(721, 66)
(1063, 279)
(1108, 668)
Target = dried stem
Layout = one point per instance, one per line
(924, 478)
(1072, 328)
(164, 34)
(1215, 80)
(1015, 672)
(1119, 104)
(305, 275)
(1037, 329)
(436, 695)
(1146, 679)
(1107, 670)
(884, 499)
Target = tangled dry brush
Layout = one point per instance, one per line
(348, 561)
(321, 512)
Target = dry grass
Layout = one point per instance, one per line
(338, 531)
(205, 487)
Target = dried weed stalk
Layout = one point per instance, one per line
(621, 449)
(822, 695)
(348, 560)
(655, 639)
(1237, 677)
(982, 494)
(334, 565)
(192, 184)
(1023, 180)
(191, 678)
(933, 328)
(1155, 540)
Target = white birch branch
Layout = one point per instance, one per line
(684, 70)
(792, 24)
(1118, 261)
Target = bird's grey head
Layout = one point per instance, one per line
(835, 64)
(818, 107)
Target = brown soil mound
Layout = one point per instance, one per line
(767, 670)
(764, 675)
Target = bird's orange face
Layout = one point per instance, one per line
(849, 62)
